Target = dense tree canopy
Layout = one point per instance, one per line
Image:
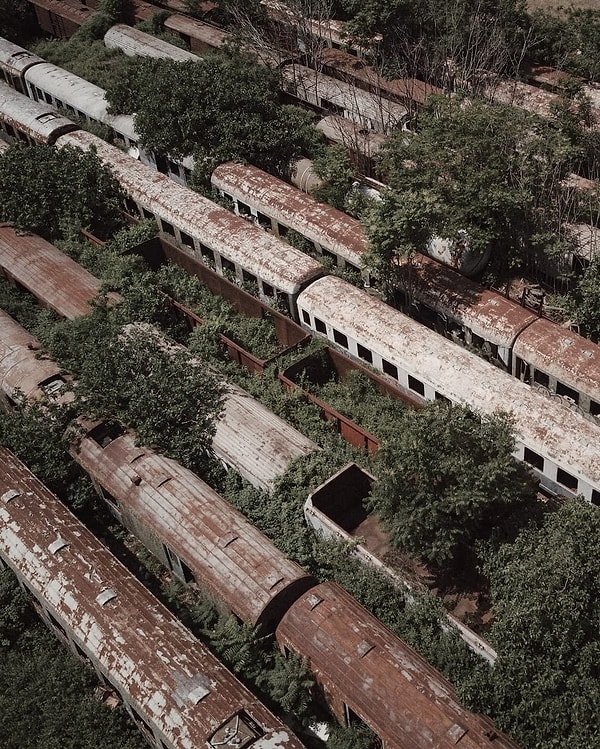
(492, 172)
(17, 20)
(56, 192)
(226, 107)
(447, 479)
(545, 686)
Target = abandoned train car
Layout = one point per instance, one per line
(28, 121)
(177, 692)
(134, 42)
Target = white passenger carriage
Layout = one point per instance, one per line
(136, 43)
(22, 119)
(206, 231)
(14, 61)
(560, 446)
(368, 110)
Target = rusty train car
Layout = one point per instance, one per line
(176, 691)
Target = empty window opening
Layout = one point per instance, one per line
(477, 340)
(243, 209)
(340, 338)
(442, 398)
(162, 164)
(595, 497)
(105, 433)
(207, 254)
(268, 290)
(227, 265)
(249, 278)
(131, 207)
(416, 385)
(566, 479)
(263, 220)
(389, 368)
(167, 227)
(533, 459)
(186, 240)
(594, 408)
(305, 317)
(567, 392)
(541, 378)
(147, 214)
(364, 353)
(320, 326)
(331, 255)
(282, 230)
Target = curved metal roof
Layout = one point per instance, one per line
(134, 42)
(379, 677)
(546, 426)
(80, 94)
(263, 255)
(168, 676)
(319, 222)
(203, 32)
(15, 59)
(52, 277)
(40, 121)
(226, 553)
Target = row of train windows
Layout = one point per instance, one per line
(562, 477)
(541, 378)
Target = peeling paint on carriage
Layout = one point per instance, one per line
(178, 692)
(181, 519)
(56, 281)
(38, 122)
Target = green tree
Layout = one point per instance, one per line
(226, 107)
(16, 613)
(336, 170)
(56, 192)
(17, 20)
(545, 685)
(582, 304)
(492, 172)
(448, 479)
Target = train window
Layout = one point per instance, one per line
(243, 209)
(147, 214)
(10, 129)
(595, 497)
(567, 392)
(105, 433)
(263, 220)
(60, 104)
(541, 378)
(249, 278)
(282, 230)
(477, 340)
(340, 338)
(131, 206)
(594, 408)
(167, 227)
(227, 265)
(533, 459)
(442, 398)
(320, 326)
(268, 290)
(566, 479)
(416, 385)
(331, 255)
(162, 164)
(47, 97)
(364, 353)
(186, 239)
(306, 317)
(334, 108)
(22, 136)
(207, 254)
(389, 368)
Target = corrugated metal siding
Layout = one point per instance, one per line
(267, 257)
(227, 554)
(51, 276)
(547, 427)
(363, 665)
(145, 651)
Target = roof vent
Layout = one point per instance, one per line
(364, 647)
(456, 732)
(57, 545)
(10, 494)
(198, 693)
(105, 596)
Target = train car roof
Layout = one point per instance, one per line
(340, 130)
(586, 238)
(561, 353)
(134, 42)
(170, 677)
(52, 277)
(548, 427)
(408, 702)
(525, 96)
(79, 94)
(21, 367)
(226, 553)
(357, 69)
(40, 121)
(16, 59)
(204, 32)
(319, 222)
(76, 14)
(379, 109)
(487, 313)
(267, 257)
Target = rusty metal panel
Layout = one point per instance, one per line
(60, 18)
(547, 427)
(134, 42)
(563, 354)
(171, 679)
(81, 95)
(14, 59)
(39, 121)
(333, 230)
(362, 665)
(228, 555)
(265, 256)
(487, 313)
(51, 276)
(201, 35)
